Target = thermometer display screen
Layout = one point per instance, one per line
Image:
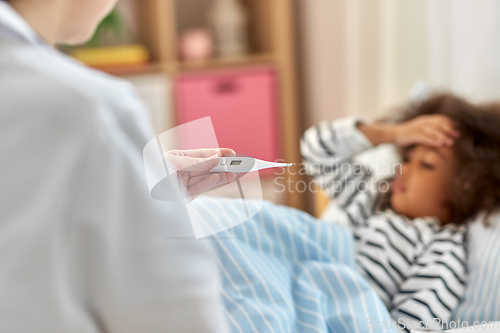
(236, 163)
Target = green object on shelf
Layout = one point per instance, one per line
(110, 27)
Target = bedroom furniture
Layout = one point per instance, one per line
(272, 44)
(242, 106)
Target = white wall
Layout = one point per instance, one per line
(323, 53)
(364, 56)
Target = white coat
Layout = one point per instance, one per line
(82, 243)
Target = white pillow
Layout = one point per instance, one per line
(481, 301)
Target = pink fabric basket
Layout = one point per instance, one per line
(242, 105)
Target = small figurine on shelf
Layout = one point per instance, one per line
(196, 45)
(229, 22)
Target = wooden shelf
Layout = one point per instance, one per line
(176, 67)
(216, 63)
(272, 41)
(133, 69)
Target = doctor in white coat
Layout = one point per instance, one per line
(82, 243)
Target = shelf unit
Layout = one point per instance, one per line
(272, 41)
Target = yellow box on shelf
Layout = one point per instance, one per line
(123, 55)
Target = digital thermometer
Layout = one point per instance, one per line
(245, 164)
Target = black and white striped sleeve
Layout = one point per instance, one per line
(435, 283)
(328, 150)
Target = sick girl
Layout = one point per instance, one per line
(411, 238)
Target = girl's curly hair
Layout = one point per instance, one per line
(476, 186)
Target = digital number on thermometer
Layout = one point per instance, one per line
(245, 164)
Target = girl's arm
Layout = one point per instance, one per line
(328, 150)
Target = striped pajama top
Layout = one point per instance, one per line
(417, 267)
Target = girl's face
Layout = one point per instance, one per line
(81, 17)
(421, 187)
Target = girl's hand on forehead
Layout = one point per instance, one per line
(429, 130)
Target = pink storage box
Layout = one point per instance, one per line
(242, 105)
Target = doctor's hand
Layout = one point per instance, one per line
(193, 170)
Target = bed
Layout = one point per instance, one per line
(285, 271)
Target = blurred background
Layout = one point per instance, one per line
(265, 70)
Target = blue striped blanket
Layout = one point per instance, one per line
(284, 271)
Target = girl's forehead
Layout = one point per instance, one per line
(445, 153)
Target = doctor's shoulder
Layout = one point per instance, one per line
(54, 90)
(32, 97)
